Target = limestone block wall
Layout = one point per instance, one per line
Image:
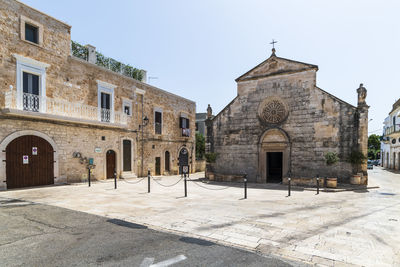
(70, 139)
(76, 81)
(317, 123)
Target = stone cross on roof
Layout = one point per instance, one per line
(273, 46)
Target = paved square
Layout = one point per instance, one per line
(333, 229)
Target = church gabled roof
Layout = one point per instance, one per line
(275, 66)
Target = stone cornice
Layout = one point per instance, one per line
(30, 61)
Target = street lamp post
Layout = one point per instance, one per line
(145, 121)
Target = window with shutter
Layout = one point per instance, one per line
(158, 122)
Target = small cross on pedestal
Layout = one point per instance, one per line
(273, 46)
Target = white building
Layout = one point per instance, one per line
(390, 145)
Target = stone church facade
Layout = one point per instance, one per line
(281, 124)
(60, 113)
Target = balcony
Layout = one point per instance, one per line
(185, 132)
(58, 109)
(392, 130)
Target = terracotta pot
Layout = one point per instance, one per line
(355, 179)
(331, 182)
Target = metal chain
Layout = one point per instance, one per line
(166, 185)
(108, 180)
(207, 187)
(123, 179)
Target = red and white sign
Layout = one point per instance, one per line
(34, 150)
(25, 159)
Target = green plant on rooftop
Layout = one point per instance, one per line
(81, 52)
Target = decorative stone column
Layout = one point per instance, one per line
(362, 109)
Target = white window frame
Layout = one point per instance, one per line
(127, 103)
(35, 67)
(107, 88)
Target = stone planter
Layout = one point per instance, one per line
(355, 179)
(331, 182)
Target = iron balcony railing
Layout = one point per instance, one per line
(60, 107)
(392, 129)
(31, 102)
(185, 132)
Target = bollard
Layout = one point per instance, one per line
(245, 186)
(289, 187)
(115, 179)
(88, 175)
(184, 175)
(148, 181)
(317, 184)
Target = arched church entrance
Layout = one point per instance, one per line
(274, 156)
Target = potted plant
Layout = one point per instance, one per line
(210, 160)
(331, 158)
(356, 158)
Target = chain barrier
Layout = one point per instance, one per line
(108, 180)
(126, 181)
(216, 189)
(166, 185)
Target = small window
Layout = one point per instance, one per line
(197, 126)
(127, 107)
(158, 122)
(184, 125)
(31, 33)
(127, 110)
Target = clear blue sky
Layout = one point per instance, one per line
(197, 48)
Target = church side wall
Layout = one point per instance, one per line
(317, 123)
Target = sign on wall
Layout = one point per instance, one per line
(185, 169)
(97, 149)
(34, 151)
(25, 159)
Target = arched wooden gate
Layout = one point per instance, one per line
(29, 162)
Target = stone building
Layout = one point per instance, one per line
(60, 112)
(281, 124)
(390, 144)
(201, 123)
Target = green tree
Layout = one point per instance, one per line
(374, 146)
(200, 146)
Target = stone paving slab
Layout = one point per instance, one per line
(330, 229)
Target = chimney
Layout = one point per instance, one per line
(91, 54)
(144, 78)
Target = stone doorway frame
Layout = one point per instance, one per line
(273, 140)
(4, 143)
(117, 161)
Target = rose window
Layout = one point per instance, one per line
(273, 111)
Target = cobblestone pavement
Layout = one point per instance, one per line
(332, 229)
